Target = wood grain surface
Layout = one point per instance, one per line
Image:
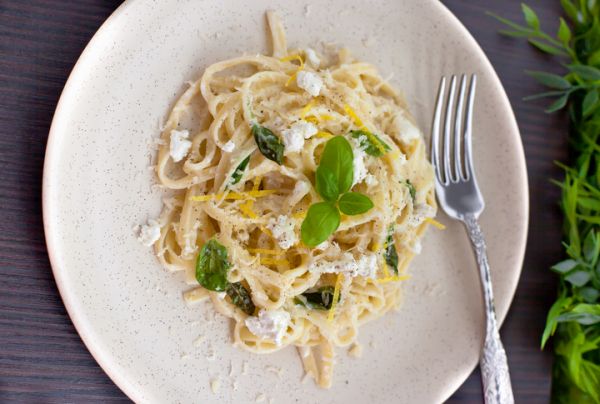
(42, 358)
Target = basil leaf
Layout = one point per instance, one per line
(390, 254)
(241, 297)
(322, 299)
(326, 184)
(322, 219)
(354, 203)
(212, 266)
(411, 190)
(269, 145)
(371, 143)
(239, 171)
(337, 157)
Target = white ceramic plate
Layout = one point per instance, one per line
(97, 186)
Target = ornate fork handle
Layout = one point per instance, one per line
(494, 367)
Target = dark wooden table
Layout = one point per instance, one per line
(42, 359)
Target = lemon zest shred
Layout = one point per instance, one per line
(246, 209)
(233, 195)
(271, 261)
(325, 117)
(386, 271)
(435, 223)
(293, 56)
(375, 247)
(306, 109)
(292, 78)
(394, 278)
(266, 231)
(353, 116)
(299, 215)
(336, 296)
(312, 119)
(324, 135)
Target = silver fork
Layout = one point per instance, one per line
(459, 196)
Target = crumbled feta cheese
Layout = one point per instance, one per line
(221, 295)
(283, 231)
(420, 212)
(408, 132)
(310, 82)
(228, 147)
(371, 181)
(365, 266)
(312, 58)
(270, 324)
(360, 170)
(180, 145)
(293, 138)
(149, 233)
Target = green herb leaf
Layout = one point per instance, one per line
(544, 47)
(337, 157)
(583, 313)
(564, 32)
(269, 145)
(241, 297)
(551, 320)
(239, 171)
(354, 203)
(565, 266)
(391, 255)
(322, 299)
(530, 17)
(327, 184)
(589, 294)
(578, 278)
(551, 80)
(558, 104)
(212, 266)
(372, 144)
(590, 102)
(570, 9)
(588, 73)
(411, 190)
(322, 220)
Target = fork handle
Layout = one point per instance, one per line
(495, 376)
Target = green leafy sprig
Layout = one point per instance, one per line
(574, 319)
(333, 180)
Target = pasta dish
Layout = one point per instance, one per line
(301, 189)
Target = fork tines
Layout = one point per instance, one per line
(457, 161)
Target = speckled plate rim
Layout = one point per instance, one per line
(67, 96)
